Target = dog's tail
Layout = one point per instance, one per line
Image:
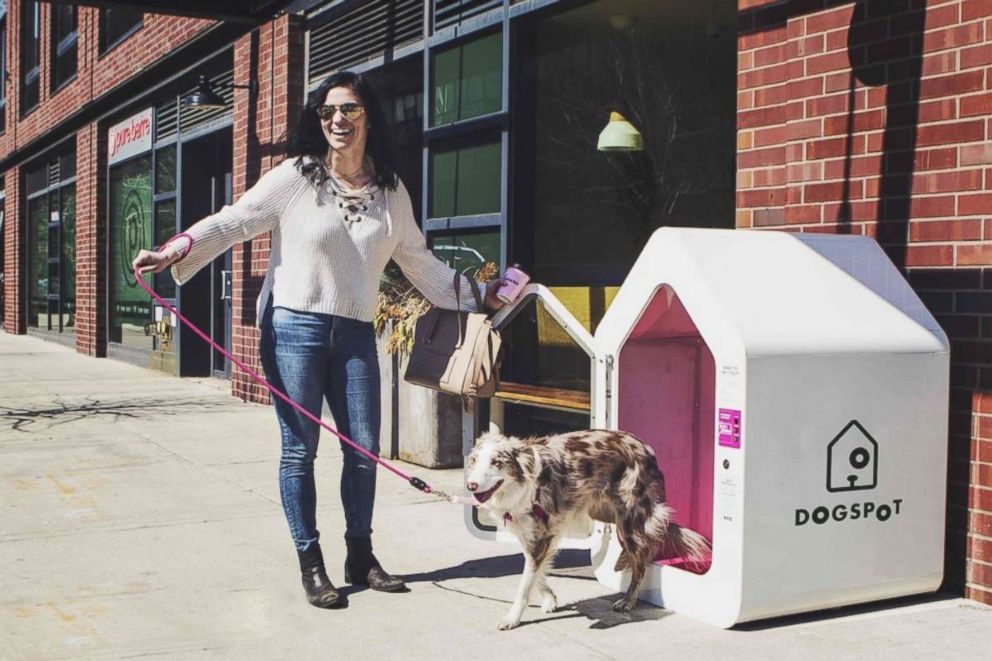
(674, 541)
(669, 540)
(688, 544)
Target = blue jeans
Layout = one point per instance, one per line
(312, 357)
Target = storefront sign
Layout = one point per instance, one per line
(131, 137)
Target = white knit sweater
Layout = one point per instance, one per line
(320, 262)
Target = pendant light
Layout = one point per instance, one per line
(620, 135)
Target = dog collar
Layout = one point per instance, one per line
(536, 511)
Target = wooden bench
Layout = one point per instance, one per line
(555, 398)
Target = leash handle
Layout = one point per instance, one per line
(419, 484)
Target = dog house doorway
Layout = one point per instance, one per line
(666, 396)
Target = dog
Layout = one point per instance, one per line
(541, 486)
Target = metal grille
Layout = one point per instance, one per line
(165, 112)
(450, 12)
(53, 172)
(362, 34)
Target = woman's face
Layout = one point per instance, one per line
(343, 134)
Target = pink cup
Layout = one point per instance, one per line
(515, 280)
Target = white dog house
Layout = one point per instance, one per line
(795, 391)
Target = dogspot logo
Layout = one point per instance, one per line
(852, 465)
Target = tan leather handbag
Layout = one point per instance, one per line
(455, 351)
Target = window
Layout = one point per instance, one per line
(51, 229)
(30, 55)
(401, 89)
(466, 144)
(116, 25)
(465, 180)
(165, 211)
(467, 80)
(467, 252)
(3, 69)
(64, 57)
(678, 90)
(130, 231)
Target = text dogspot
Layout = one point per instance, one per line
(820, 515)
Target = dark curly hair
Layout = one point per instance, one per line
(306, 139)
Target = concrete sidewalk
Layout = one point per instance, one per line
(139, 516)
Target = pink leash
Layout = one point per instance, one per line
(415, 482)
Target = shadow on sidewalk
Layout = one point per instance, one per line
(569, 564)
(566, 562)
(845, 611)
(60, 413)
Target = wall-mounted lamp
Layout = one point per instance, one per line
(204, 97)
(620, 135)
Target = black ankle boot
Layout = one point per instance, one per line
(362, 568)
(320, 592)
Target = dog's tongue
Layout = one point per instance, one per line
(485, 495)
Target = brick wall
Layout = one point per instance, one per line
(875, 118)
(96, 74)
(14, 320)
(91, 296)
(273, 55)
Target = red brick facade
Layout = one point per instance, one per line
(13, 238)
(273, 55)
(91, 332)
(96, 74)
(875, 118)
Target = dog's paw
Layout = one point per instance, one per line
(621, 605)
(508, 623)
(549, 604)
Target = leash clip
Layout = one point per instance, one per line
(420, 485)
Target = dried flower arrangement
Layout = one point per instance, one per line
(399, 302)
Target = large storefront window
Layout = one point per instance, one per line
(663, 68)
(130, 230)
(583, 215)
(51, 235)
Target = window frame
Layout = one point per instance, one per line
(466, 132)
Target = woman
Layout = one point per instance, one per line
(337, 213)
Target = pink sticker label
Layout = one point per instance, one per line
(729, 428)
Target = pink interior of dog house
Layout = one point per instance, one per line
(666, 398)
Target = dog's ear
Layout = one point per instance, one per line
(517, 468)
(488, 435)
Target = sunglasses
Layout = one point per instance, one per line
(350, 111)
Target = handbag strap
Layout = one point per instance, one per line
(475, 292)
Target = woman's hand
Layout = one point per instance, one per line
(151, 261)
(490, 301)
